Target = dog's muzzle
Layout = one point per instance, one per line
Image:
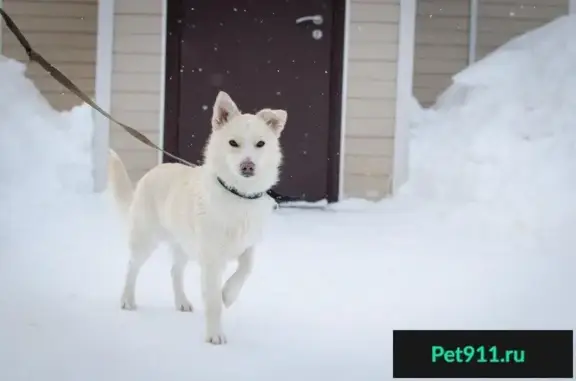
(247, 168)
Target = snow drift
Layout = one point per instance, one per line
(501, 140)
(45, 159)
(40, 145)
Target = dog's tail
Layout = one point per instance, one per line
(119, 183)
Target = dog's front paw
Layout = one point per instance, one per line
(128, 304)
(216, 338)
(184, 305)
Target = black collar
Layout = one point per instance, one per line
(236, 192)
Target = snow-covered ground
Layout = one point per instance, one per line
(481, 237)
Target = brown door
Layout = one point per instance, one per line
(257, 52)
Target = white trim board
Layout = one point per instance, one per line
(343, 107)
(101, 134)
(162, 79)
(473, 31)
(1, 30)
(404, 77)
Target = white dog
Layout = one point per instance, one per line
(212, 213)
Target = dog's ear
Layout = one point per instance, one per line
(276, 119)
(224, 110)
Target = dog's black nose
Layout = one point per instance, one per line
(247, 168)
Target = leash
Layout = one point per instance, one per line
(34, 56)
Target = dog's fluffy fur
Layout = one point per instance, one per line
(202, 220)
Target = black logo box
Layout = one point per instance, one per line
(483, 354)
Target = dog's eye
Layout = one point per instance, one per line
(233, 143)
(260, 144)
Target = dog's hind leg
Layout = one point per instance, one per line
(234, 284)
(180, 259)
(142, 244)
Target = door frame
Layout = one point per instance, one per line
(171, 101)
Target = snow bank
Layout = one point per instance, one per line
(45, 161)
(40, 146)
(501, 141)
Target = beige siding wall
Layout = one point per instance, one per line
(137, 80)
(371, 98)
(64, 32)
(441, 46)
(501, 20)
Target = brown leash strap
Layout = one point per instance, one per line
(67, 83)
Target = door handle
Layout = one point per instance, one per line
(316, 19)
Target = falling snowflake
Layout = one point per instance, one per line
(235, 9)
(278, 93)
(204, 107)
(200, 69)
(512, 13)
